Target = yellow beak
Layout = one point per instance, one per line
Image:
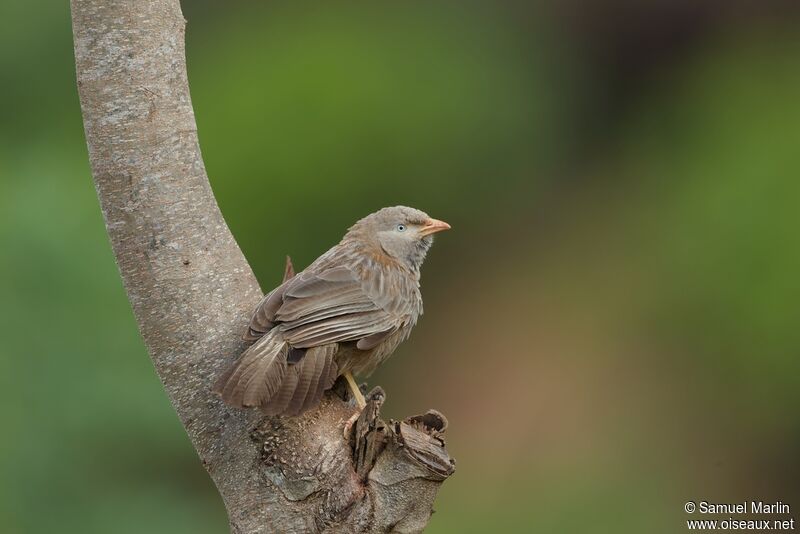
(432, 226)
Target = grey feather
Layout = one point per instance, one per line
(373, 340)
(324, 378)
(278, 404)
(306, 370)
(257, 375)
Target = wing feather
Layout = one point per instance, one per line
(320, 306)
(334, 306)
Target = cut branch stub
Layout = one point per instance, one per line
(387, 475)
(421, 437)
(369, 435)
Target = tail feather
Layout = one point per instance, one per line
(231, 385)
(257, 375)
(263, 378)
(324, 376)
(236, 387)
(266, 381)
(278, 404)
(306, 368)
(308, 375)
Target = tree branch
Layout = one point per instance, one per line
(192, 291)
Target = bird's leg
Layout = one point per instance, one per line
(356, 391)
(360, 401)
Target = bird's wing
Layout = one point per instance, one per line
(333, 306)
(263, 318)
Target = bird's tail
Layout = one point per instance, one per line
(266, 377)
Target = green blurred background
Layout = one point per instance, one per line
(611, 326)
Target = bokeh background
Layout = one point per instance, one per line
(611, 327)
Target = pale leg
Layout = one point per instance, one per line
(360, 401)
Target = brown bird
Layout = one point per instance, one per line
(343, 315)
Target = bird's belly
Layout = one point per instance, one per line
(364, 362)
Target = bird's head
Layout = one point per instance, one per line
(403, 233)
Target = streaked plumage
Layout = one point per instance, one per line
(346, 312)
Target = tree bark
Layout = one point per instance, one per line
(192, 291)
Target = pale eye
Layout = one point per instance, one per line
(401, 227)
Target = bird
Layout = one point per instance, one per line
(343, 315)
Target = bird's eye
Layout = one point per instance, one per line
(401, 227)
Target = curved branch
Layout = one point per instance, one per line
(192, 290)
